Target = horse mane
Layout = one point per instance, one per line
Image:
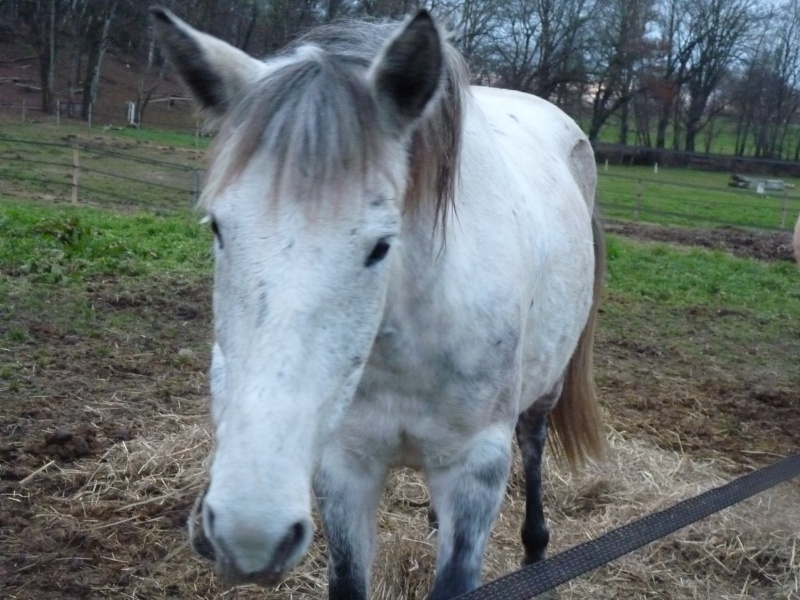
(316, 119)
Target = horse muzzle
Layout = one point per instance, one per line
(272, 566)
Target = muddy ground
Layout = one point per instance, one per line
(68, 399)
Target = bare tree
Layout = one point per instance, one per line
(668, 74)
(539, 44)
(471, 23)
(724, 28)
(620, 48)
(393, 9)
(100, 15)
(766, 94)
(284, 19)
(40, 17)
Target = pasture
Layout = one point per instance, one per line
(693, 198)
(104, 344)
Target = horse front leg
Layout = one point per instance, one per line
(466, 496)
(348, 490)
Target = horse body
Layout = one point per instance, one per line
(329, 369)
(470, 337)
(499, 310)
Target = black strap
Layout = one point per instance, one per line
(560, 568)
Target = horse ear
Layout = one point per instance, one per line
(215, 72)
(407, 74)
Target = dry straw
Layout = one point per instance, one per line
(133, 501)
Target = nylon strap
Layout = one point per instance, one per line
(540, 577)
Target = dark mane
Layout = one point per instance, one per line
(316, 118)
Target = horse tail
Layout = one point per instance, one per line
(575, 419)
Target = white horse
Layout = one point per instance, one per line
(407, 269)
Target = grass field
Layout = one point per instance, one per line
(61, 243)
(692, 198)
(125, 169)
(162, 172)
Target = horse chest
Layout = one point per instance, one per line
(432, 381)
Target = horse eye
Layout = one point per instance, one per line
(378, 253)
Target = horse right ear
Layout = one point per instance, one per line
(216, 73)
(408, 73)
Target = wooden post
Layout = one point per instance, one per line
(75, 174)
(639, 194)
(605, 166)
(58, 112)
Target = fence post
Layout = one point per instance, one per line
(784, 207)
(639, 193)
(58, 112)
(75, 174)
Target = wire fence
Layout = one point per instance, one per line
(89, 174)
(92, 174)
(668, 199)
(168, 112)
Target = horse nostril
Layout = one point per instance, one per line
(297, 532)
(197, 537)
(290, 542)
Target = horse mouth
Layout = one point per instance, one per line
(223, 567)
(233, 577)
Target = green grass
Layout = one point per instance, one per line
(169, 138)
(58, 243)
(684, 277)
(704, 309)
(692, 198)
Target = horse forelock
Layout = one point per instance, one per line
(316, 121)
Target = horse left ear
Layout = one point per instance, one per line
(216, 73)
(407, 74)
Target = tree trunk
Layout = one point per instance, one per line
(48, 79)
(663, 123)
(624, 117)
(143, 93)
(40, 18)
(95, 62)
